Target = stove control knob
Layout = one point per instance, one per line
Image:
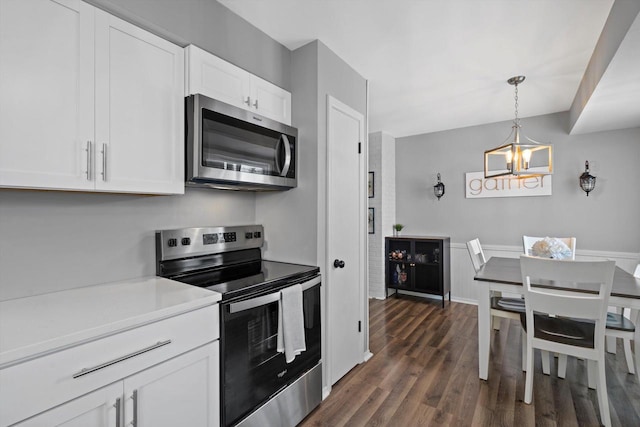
(172, 243)
(186, 241)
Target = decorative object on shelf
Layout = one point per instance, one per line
(371, 221)
(587, 181)
(521, 160)
(397, 228)
(370, 185)
(438, 189)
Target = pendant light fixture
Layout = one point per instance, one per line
(520, 160)
(587, 181)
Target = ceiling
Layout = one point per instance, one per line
(434, 65)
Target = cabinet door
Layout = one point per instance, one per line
(139, 110)
(46, 93)
(270, 100)
(183, 391)
(97, 409)
(216, 78)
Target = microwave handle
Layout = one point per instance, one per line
(267, 299)
(287, 155)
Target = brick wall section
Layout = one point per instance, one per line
(382, 160)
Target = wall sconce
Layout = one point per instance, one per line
(587, 181)
(438, 189)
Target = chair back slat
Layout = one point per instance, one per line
(529, 241)
(583, 306)
(477, 255)
(593, 275)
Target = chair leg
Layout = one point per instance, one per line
(603, 399)
(528, 382)
(523, 339)
(562, 365)
(546, 365)
(611, 344)
(628, 355)
(495, 323)
(592, 374)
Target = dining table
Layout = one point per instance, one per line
(501, 274)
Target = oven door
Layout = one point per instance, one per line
(228, 145)
(252, 370)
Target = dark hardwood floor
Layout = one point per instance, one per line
(425, 372)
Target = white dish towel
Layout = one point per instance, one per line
(291, 323)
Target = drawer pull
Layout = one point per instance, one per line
(86, 371)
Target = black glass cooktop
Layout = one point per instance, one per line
(269, 276)
(236, 274)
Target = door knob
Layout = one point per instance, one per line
(338, 263)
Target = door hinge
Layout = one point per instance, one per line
(359, 326)
(359, 147)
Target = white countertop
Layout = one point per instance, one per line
(39, 324)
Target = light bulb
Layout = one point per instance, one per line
(526, 156)
(509, 158)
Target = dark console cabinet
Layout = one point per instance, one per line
(418, 264)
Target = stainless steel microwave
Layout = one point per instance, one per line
(231, 148)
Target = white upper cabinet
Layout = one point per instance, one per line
(139, 130)
(46, 93)
(87, 101)
(216, 78)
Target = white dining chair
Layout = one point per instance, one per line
(552, 315)
(527, 244)
(529, 241)
(501, 307)
(507, 308)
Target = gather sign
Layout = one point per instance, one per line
(477, 186)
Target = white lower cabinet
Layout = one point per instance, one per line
(180, 392)
(97, 409)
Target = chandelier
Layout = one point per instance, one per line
(521, 160)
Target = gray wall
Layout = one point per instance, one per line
(211, 26)
(294, 213)
(338, 79)
(82, 239)
(607, 220)
(299, 214)
(60, 240)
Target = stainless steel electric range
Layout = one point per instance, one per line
(257, 386)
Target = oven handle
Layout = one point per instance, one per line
(267, 299)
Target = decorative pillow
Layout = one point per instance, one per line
(550, 247)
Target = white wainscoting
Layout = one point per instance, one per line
(463, 287)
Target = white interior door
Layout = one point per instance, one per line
(345, 238)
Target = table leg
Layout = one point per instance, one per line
(484, 330)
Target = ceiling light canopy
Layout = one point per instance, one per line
(515, 158)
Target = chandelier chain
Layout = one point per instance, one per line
(517, 119)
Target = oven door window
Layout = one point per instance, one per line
(235, 145)
(252, 368)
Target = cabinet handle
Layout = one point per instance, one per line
(255, 104)
(117, 406)
(86, 371)
(248, 101)
(104, 162)
(134, 397)
(89, 156)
